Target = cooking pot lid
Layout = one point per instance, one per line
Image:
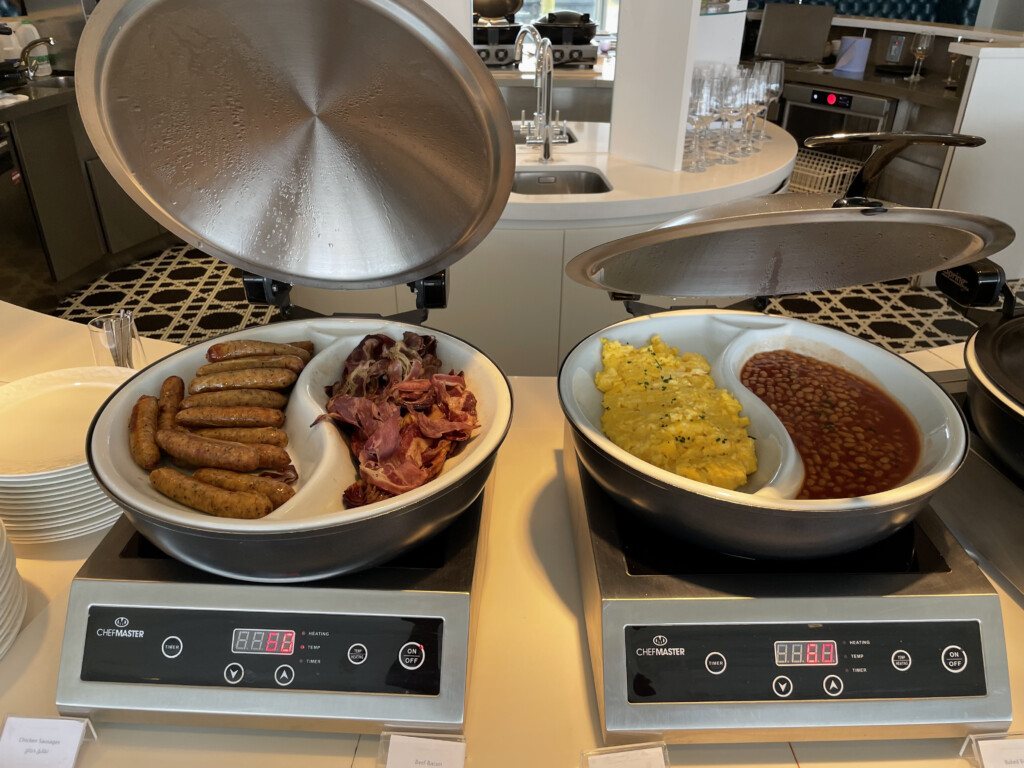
(782, 244)
(330, 143)
(999, 349)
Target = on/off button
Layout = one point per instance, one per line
(411, 656)
(954, 659)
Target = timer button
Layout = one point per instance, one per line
(954, 659)
(714, 662)
(782, 686)
(357, 653)
(234, 673)
(833, 685)
(284, 675)
(171, 647)
(901, 660)
(412, 656)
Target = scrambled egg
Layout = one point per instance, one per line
(664, 408)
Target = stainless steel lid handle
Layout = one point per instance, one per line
(891, 145)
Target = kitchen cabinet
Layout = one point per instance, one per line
(81, 213)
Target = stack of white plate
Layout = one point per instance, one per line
(47, 492)
(13, 595)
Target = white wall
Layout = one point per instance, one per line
(653, 64)
(987, 179)
(1000, 14)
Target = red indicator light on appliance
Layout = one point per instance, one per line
(831, 99)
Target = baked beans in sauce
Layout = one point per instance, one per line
(853, 438)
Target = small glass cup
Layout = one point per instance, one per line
(116, 342)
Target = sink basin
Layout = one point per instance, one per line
(43, 86)
(521, 137)
(560, 182)
(54, 81)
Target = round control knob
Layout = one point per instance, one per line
(833, 685)
(172, 647)
(782, 686)
(954, 659)
(284, 675)
(714, 663)
(412, 656)
(233, 673)
(901, 660)
(357, 653)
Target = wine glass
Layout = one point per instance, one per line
(921, 48)
(774, 78)
(734, 103)
(695, 163)
(950, 81)
(755, 102)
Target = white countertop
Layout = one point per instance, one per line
(642, 193)
(533, 706)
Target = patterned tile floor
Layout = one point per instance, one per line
(186, 296)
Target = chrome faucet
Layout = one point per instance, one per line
(542, 129)
(29, 65)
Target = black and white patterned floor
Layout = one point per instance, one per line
(180, 295)
(186, 296)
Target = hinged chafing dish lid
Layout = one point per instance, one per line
(787, 243)
(330, 143)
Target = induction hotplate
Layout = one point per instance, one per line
(902, 639)
(149, 638)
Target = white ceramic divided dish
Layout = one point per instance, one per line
(728, 339)
(321, 457)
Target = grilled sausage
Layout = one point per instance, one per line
(229, 416)
(291, 362)
(209, 498)
(306, 345)
(171, 393)
(275, 490)
(272, 456)
(257, 398)
(226, 350)
(199, 451)
(248, 378)
(142, 431)
(268, 435)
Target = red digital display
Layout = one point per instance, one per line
(276, 642)
(805, 653)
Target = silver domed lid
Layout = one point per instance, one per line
(329, 143)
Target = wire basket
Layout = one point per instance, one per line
(820, 172)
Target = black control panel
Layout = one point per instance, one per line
(832, 99)
(799, 662)
(246, 649)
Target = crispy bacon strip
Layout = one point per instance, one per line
(400, 415)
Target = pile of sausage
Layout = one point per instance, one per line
(227, 426)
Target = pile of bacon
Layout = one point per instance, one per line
(400, 416)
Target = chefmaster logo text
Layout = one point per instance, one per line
(120, 629)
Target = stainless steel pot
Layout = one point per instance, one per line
(312, 536)
(343, 144)
(993, 358)
(762, 518)
(771, 246)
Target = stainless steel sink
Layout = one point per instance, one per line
(43, 86)
(521, 137)
(54, 81)
(560, 182)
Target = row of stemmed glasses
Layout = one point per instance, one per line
(732, 98)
